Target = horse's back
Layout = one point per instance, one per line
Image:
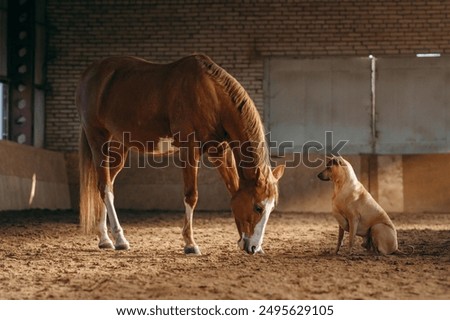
(111, 79)
(131, 94)
(130, 64)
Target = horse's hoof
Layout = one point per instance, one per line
(192, 250)
(106, 245)
(122, 246)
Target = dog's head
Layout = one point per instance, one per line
(336, 168)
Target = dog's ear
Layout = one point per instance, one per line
(329, 161)
(336, 161)
(341, 162)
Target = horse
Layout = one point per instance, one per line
(191, 106)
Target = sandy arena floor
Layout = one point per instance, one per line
(44, 255)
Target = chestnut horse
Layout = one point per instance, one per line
(191, 105)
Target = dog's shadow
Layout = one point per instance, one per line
(411, 243)
(426, 242)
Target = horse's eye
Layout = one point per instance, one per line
(258, 209)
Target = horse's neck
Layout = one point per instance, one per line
(250, 148)
(250, 155)
(240, 119)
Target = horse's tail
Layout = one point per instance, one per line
(90, 202)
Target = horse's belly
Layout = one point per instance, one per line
(162, 147)
(159, 146)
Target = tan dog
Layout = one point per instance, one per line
(357, 212)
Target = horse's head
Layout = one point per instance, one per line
(252, 199)
(252, 204)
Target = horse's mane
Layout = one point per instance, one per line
(251, 119)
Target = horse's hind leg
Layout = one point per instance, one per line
(106, 173)
(120, 242)
(190, 159)
(116, 163)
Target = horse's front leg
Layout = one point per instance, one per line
(104, 240)
(190, 159)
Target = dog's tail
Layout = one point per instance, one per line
(405, 253)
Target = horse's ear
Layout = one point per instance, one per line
(258, 177)
(257, 173)
(278, 171)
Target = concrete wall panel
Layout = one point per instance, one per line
(411, 183)
(426, 183)
(32, 178)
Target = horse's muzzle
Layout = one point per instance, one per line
(245, 244)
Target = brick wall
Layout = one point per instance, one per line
(238, 35)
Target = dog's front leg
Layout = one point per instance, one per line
(353, 226)
(340, 239)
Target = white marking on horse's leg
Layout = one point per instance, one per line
(104, 242)
(120, 242)
(188, 233)
(256, 240)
